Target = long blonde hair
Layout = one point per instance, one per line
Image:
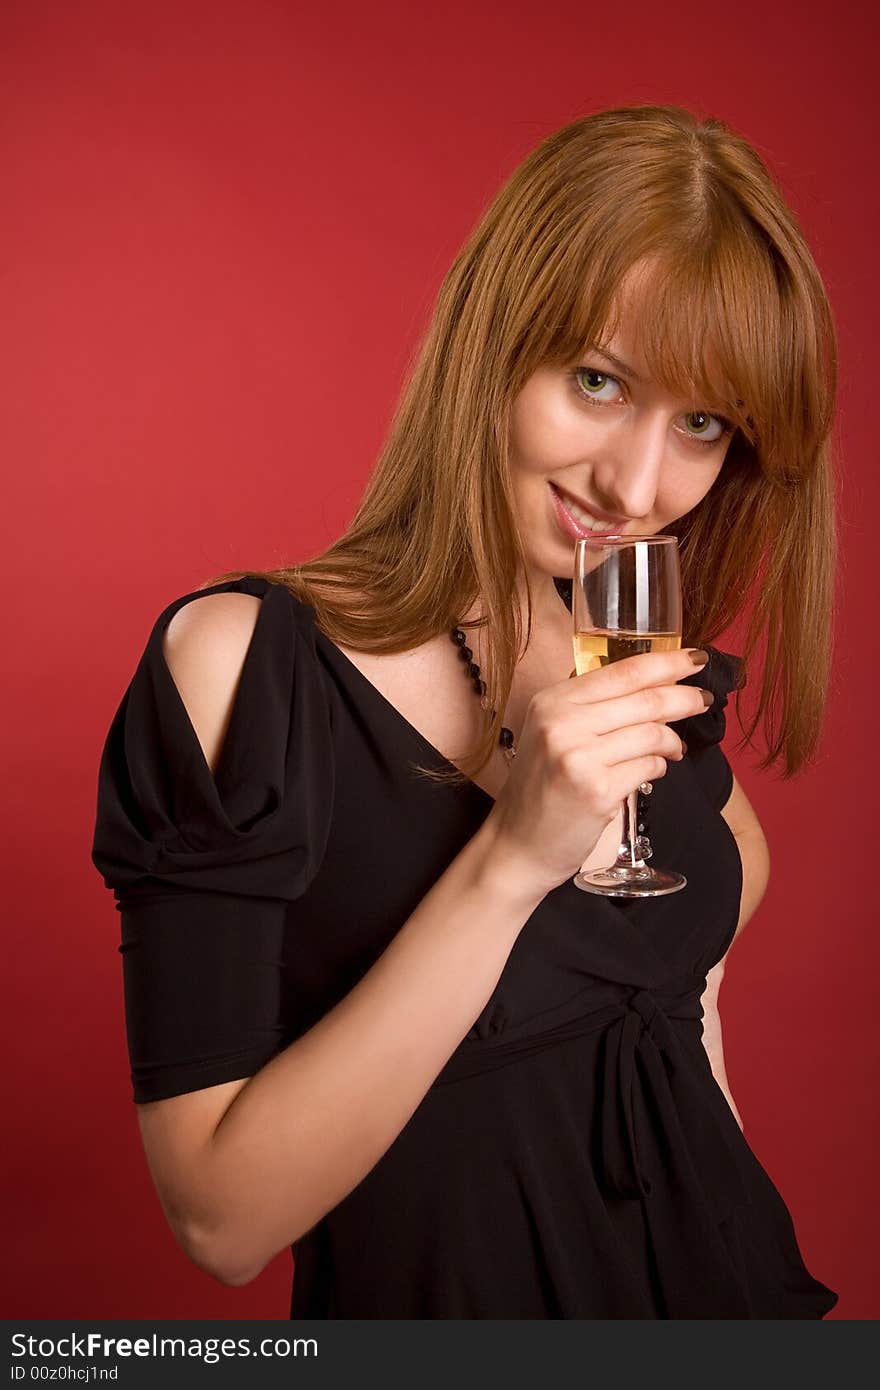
(737, 319)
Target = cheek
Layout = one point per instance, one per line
(684, 488)
(544, 435)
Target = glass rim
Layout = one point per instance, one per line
(626, 540)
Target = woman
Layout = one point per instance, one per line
(369, 1015)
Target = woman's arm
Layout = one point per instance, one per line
(755, 856)
(245, 1168)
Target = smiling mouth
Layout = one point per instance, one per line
(583, 517)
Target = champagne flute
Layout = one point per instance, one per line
(626, 599)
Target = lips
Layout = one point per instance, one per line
(613, 521)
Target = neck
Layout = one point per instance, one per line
(551, 618)
(551, 609)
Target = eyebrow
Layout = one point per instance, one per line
(616, 362)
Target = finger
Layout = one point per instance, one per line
(636, 673)
(623, 778)
(623, 745)
(658, 703)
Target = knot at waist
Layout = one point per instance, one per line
(649, 1094)
(640, 1050)
(475, 1055)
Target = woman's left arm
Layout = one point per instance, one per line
(755, 856)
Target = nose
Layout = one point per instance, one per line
(627, 466)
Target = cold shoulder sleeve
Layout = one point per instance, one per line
(703, 733)
(204, 866)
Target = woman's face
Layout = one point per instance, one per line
(598, 433)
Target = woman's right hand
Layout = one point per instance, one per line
(586, 743)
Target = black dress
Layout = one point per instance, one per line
(575, 1157)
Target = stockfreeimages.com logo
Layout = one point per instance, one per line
(94, 1345)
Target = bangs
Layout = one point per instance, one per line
(710, 330)
(717, 325)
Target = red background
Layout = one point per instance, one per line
(224, 227)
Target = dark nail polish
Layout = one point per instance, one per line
(708, 698)
(699, 657)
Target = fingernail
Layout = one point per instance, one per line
(708, 698)
(684, 749)
(698, 656)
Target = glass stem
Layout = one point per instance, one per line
(627, 855)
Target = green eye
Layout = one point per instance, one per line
(708, 428)
(596, 385)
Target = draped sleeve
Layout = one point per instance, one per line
(703, 733)
(204, 867)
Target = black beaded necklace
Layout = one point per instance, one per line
(506, 741)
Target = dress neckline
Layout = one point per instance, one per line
(563, 588)
(401, 718)
(625, 913)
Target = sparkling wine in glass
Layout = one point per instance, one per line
(626, 599)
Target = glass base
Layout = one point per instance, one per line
(630, 881)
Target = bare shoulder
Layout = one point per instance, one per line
(213, 620)
(205, 646)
